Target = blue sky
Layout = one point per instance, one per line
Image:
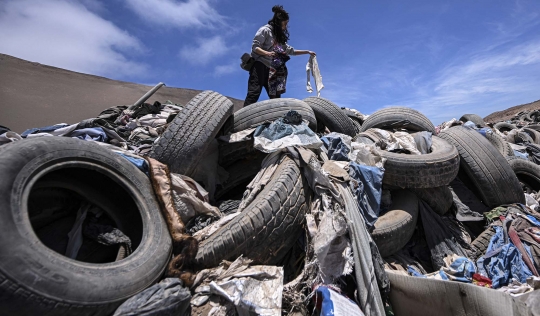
(444, 58)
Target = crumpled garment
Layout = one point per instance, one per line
(107, 235)
(446, 125)
(338, 146)
(335, 304)
(441, 238)
(367, 187)
(45, 129)
(502, 261)
(312, 67)
(189, 202)
(278, 135)
(464, 212)
(9, 137)
(62, 131)
(516, 288)
(332, 247)
(238, 136)
(251, 289)
(168, 297)
(337, 170)
(395, 141)
(365, 154)
(456, 268)
(95, 133)
(423, 141)
(316, 177)
(534, 152)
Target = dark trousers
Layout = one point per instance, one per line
(258, 78)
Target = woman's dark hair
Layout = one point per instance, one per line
(280, 15)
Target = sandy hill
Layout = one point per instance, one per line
(34, 95)
(510, 112)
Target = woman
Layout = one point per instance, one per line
(271, 51)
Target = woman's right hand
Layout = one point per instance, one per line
(271, 54)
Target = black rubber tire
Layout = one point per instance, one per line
(481, 243)
(488, 170)
(536, 127)
(269, 110)
(34, 279)
(398, 117)
(535, 135)
(500, 144)
(357, 125)
(190, 133)
(394, 229)
(331, 116)
(435, 169)
(230, 153)
(476, 119)
(240, 172)
(526, 171)
(440, 199)
(267, 228)
(533, 115)
(504, 127)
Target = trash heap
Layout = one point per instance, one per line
(294, 207)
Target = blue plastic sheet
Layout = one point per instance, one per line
(369, 190)
(138, 162)
(461, 269)
(95, 133)
(502, 262)
(335, 304)
(44, 129)
(337, 149)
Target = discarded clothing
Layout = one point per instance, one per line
(441, 239)
(189, 201)
(423, 141)
(338, 146)
(107, 235)
(455, 268)
(368, 155)
(45, 129)
(312, 67)
(238, 136)
(251, 289)
(502, 261)
(9, 137)
(138, 162)
(463, 212)
(96, 134)
(335, 304)
(278, 135)
(168, 297)
(367, 188)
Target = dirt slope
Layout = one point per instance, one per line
(510, 112)
(34, 95)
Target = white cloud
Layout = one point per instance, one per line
(65, 34)
(181, 14)
(205, 50)
(226, 69)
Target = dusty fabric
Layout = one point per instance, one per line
(335, 304)
(238, 136)
(9, 137)
(278, 135)
(441, 239)
(161, 181)
(168, 297)
(336, 170)
(365, 154)
(61, 131)
(332, 247)
(338, 146)
(188, 201)
(423, 141)
(395, 141)
(76, 232)
(107, 235)
(207, 169)
(251, 289)
(366, 184)
(312, 67)
(317, 179)
(464, 212)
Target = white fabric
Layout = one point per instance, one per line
(188, 201)
(238, 136)
(313, 68)
(9, 137)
